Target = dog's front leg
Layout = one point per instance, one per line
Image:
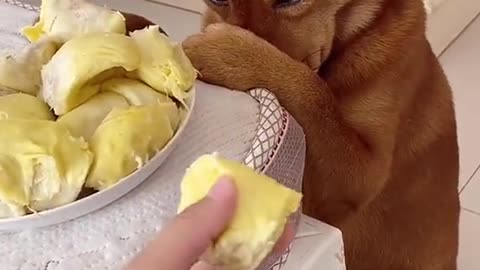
(347, 164)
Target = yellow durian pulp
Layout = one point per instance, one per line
(125, 141)
(136, 92)
(24, 106)
(164, 65)
(75, 71)
(85, 119)
(21, 71)
(139, 94)
(14, 192)
(52, 161)
(173, 113)
(4, 91)
(63, 20)
(108, 125)
(263, 208)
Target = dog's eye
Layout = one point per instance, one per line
(220, 2)
(286, 3)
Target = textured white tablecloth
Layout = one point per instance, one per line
(223, 121)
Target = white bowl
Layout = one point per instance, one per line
(103, 198)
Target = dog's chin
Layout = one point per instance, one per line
(314, 60)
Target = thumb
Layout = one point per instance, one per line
(202, 223)
(192, 232)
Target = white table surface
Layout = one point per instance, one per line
(317, 245)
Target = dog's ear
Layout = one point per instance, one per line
(135, 22)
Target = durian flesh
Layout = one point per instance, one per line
(53, 163)
(263, 208)
(72, 76)
(85, 119)
(4, 91)
(136, 93)
(21, 71)
(164, 65)
(24, 106)
(63, 20)
(14, 192)
(125, 141)
(139, 94)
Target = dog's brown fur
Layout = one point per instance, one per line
(382, 158)
(361, 78)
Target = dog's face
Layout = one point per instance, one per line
(304, 29)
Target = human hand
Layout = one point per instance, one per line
(181, 244)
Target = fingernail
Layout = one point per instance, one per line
(223, 190)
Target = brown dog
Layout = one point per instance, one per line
(361, 78)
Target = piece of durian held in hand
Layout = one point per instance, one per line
(263, 208)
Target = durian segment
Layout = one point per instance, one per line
(263, 208)
(164, 65)
(14, 191)
(52, 160)
(4, 91)
(21, 71)
(86, 118)
(173, 113)
(10, 210)
(125, 141)
(25, 107)
(139, 94)
(136, 92)
(75, 71)
(63, 20)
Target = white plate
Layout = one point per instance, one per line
(100, 199)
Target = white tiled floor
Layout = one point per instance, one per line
(468, 258)
(471, 195)
(461, 63)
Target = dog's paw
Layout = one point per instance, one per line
(229, 56)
